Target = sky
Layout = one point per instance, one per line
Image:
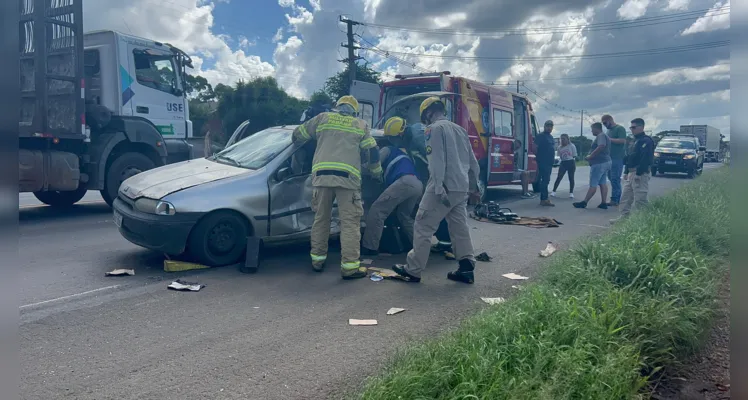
(561, 51)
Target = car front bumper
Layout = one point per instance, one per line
(163, 233)
(674, 164)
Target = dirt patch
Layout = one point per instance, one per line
(706, 376)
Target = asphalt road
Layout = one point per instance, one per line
(280, 334)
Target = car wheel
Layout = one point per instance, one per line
(123, 167)
(691, 174)
(220, 238)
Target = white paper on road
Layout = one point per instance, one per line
(362, 322)
(395, 310)
(121, 272)
(493, 300)
(550, 248)
(367, 261)
(515, 276)
(185, 286)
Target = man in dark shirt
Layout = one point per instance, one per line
(637, 171)
(546, 152)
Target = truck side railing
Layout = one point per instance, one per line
(51, 69)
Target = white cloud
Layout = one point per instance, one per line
(286, 3)
(685, 75)
(677, 5)
(714, 19)
(190, 28)
(290, 73)
(632, 9)
(246, 43)
(278, 35)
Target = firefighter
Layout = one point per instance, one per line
(343, 145)
(453, 180)
(402, 188)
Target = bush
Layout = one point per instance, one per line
(604, 319)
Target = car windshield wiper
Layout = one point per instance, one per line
(230, 160)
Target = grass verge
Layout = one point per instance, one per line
(603, 320)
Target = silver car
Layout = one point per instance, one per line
(259, 185)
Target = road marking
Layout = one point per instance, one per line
(69, 296)
(45, 205)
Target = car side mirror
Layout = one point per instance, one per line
(702, 148)
(282, 174)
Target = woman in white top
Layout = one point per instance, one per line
(568, 154)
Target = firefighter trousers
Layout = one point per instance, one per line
(430, 213)
(350, 210)
(402, 195)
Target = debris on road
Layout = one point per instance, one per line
(449, 255)
(367, 261)
(179, 266)
(376, 277)
(185, 286)
(394, 310)
(484, 257)
(550, 248)
(532, 222)
(120, 272)
(493, 300)
(385, 273)
(252, 259)
(514, 276)
(362, 322)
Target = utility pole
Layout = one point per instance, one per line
(581, 125)
(351, 46)
(517, 86)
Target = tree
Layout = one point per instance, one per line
(583, 145)
(320, 97)
(197, 87)
(338, 85)
(261, 101)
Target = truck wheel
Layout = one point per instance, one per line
(123, 167)
(61, 199)
(219, 239)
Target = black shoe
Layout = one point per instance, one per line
(603, 206)
(461, 276)
(580, 204)
(400, 270)
(368, 252)
(318, 268)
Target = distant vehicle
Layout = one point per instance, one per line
(679, 154)
(259, 185)
(501, 125)
(95, 108)
(709, 137)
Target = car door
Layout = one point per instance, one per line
(290, 189)
(368, 95)
(241, 132)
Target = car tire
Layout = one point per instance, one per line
(219, 238)
(61, 199)
(124, 166)
(692, 174)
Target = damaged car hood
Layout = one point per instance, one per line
(159, 182)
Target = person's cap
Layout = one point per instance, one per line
(549, 122)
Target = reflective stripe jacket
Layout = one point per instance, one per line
(396, 163)
(341, 141)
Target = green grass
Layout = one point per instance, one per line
(604, 319)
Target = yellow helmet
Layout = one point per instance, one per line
(350, 100)
(428, 103)
(394, 126)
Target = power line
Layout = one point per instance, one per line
(589, 118)
(610, 25)
(397, 60)
(633, 53)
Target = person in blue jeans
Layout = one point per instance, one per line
(600, 163)
(617, 135)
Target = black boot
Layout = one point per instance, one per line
(464, 272)
(400, 270)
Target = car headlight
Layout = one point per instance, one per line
(657, 153)
(152, 206)
(689, 156)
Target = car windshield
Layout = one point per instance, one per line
(677, 144)
(257, 150)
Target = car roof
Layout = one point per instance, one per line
(377, 133)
